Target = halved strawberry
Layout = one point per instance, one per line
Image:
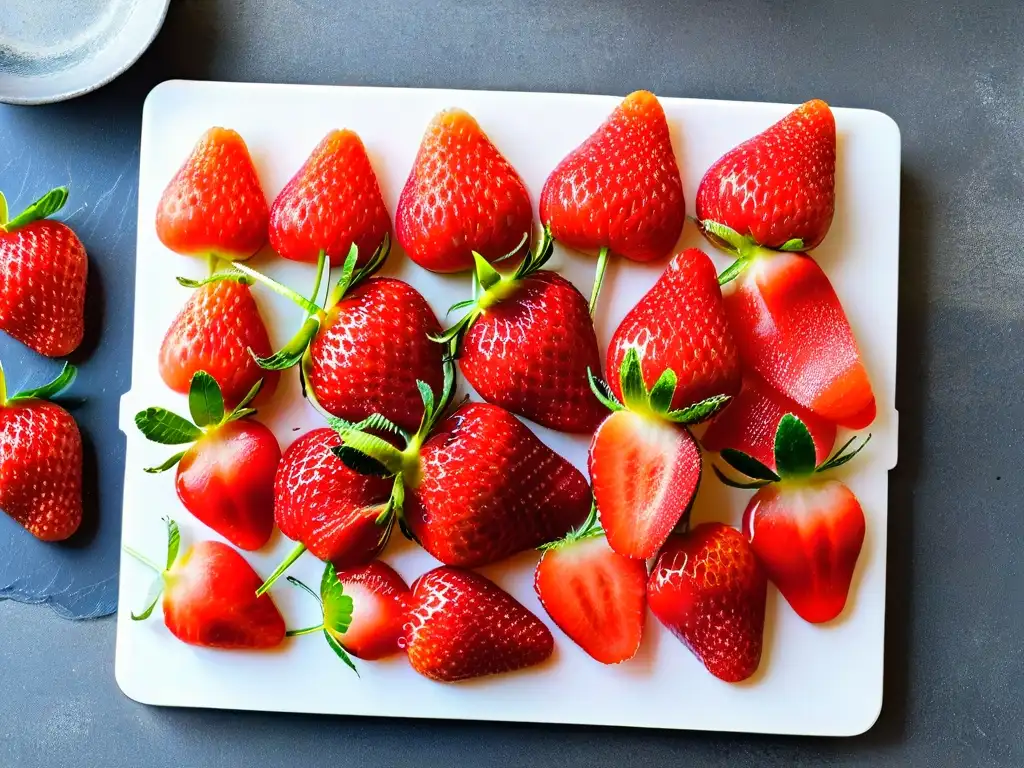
(645, 465)
(807, 530)
(363, 611)
(749, 422)
(209, 597)
(594, 594)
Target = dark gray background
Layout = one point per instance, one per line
(951, 75)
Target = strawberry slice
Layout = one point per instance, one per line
(645, 465)
(363, 611)
(209, 597)
(594, 594)
(461, 625)
(749, 422)
(192, 218)
(708, 589)
(807, 530)
(331, 203)
(226, 477)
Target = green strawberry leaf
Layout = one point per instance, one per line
(457, 306)
(486, 275)
(172, 461)
(748, 465)
(291, 353)
(371, 446)
(427, 396)
(794, 447)
(840, 457)
(753, 485)
(43, 208)
(242, 410)
(162, 426)
(3, 210)
(796, 244)
(698, 412)
(733, 271)
(156, 589)
(48, 391)
(603, 392)
(634, 392)
(337, 605)
(359, 462)
(734, 241)
(662, 391)
(205, 401)
(336, 647)
(348, 271)
(173, 541)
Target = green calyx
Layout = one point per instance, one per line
(656, 401)
(742, 247)
(589, 529)
(795, 457)
(46, 392)
(205, 405)
(493, 288)
(335, 611)
(157, 587)
(43, 208)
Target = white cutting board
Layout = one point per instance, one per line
(822, 680)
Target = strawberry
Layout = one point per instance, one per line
(806, 530)
(209, 597)
(708, 589)
(335, 513)
(527, 343)
(363, 611)
(680, 325)
(40, 460)
(594, 594)
(792, 331)
(475, 487)
(645, 465)
(620, 190)
(214, 206)
(43, 270)
(462, 196)
(364, 350)
(749, 422)
(462, 625)
(214, 332)
(226, 477)
(777, 189)
(331, 203)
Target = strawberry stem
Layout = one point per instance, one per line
(320, 259)
(143, 559)
(602, 266)
(305, 631)
(294, 555)
(282, 290)
(3, 212)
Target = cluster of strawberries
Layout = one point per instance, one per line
(773, 361)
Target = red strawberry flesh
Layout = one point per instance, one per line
(378, 610)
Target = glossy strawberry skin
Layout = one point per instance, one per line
(530, 353)
(489, 488)
(461, 196)
(333, 201)
(214, 332)
(321, 503)
(779, 185)
(680, 324)
(645, 473)
(792, 331)
(750, 420)
(371, 350)
(808, 536)
(596, 596)
(43, 270)
(226, 479)
(210, 601)
(379, 597)
(214, 204)
(621, 188)
(461, 625)
(41, 468)
(708, 589)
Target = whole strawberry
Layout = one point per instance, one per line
(214, 332)
(475, 487)
(331, 203)
(461, 625)
(527, 343)
(214, 206)
(680, 325)
(620, 190)
(778, 188)
(226, 477)
(807, 530)
(209, 597)
(708, 589)
(462, 196)
(40, 460)
(363, 352)
(43, 270)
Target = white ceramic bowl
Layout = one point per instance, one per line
(52, 51)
